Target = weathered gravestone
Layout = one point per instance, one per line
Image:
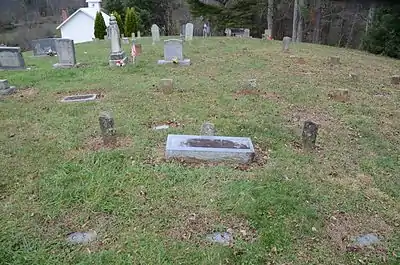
(173, 53)
(334, 60)
(108, 131)
(246, 33)
(228, 32)
(5, 88)
(209, 148)
(66, 53)
(11, 58)
(117, 55)
(309, 135)
(285, 43)
(43, 47)
(207, 129)
(138, 35)
(167, 85)
(133, 35)
(189, 32)
(155, 33)
(267, 34)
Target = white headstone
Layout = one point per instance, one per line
(246, 33)
(138, 35)
(189, 32)
(155, 33)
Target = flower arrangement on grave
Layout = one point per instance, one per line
(120, 63)
(175, 60)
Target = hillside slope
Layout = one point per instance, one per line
(289, 207)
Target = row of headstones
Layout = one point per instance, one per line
(188, 36)
(237, 32)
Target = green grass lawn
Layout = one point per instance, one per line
(295, 208)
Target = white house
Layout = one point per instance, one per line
(80, 25)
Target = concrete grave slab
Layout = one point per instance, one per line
(80, 98)
(210, 148)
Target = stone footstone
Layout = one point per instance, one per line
(354, 77)
(395, 80)
(252, 83)
(81, 237)
(167, 85)
(341, 95)
(5, 88)
(334, 60)
(207, 129)
(210, 148)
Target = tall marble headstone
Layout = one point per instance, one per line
(11, 58)
(66, 53)
(188, 32)
(117, 55)
(155, 33)
(138, 34)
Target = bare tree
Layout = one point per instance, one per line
(295, 19)
(317, 22)
(300, 22)
(270, 16)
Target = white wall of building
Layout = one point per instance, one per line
(79, 28)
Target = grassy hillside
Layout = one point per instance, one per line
(291, 207)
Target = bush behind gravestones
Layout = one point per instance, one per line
(100, 28)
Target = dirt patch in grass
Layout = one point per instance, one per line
(26, 94)
(194, 227)
(170, 123)
(96, 143)
(342, 228)
(257, 92)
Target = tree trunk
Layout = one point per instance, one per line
(351, 33)
(317, 22)
(270, 15)
(295, 18)
(371, 15)
(300, 7)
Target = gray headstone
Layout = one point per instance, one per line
(228, 32)
(188, 32)
(138, 35)
(285, 43)
(66, 53)
(11, 58)
(173, 48)
(42, 47)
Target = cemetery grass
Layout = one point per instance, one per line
(296, 208)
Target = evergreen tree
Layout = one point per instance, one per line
(119, 21)
(384, 35)
(131, 21)
(100, 28)
(114, 5)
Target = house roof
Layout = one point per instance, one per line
(91, 12)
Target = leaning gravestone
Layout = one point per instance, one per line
(155, 33)
(117, 55)
(309, 135)
(11, 58)
(66, 53)
(173, 53)
(188, 32)
(43, 47)
(5, 88)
